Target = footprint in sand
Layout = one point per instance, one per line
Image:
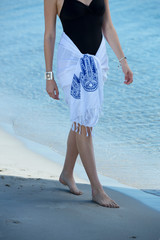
(13, 221)
(7, 185)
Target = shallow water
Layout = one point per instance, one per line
(127, 142)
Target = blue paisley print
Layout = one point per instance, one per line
(75, 87)
(88, 77)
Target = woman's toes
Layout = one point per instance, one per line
(80, 193)
(115, 205)
(104, 200)
(112, 204)
(77, 192)
(70, 183)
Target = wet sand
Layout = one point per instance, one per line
(35, 205)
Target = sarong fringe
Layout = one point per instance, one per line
(79, 121)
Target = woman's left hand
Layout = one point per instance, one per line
(127, 72)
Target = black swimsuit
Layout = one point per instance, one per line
(83, 24)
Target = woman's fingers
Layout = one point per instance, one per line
(128, 78)
(52, 90)
(128, 73)
(54, 94)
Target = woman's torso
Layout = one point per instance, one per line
(83, 23)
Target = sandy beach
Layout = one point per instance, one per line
(35, 205)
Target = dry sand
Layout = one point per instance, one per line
(34, 205)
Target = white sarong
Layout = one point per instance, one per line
(81, 77)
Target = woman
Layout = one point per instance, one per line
(86, 23)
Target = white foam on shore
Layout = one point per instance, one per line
(146, 198)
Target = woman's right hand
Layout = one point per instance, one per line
(52, 89)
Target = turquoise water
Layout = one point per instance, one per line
(127, 142)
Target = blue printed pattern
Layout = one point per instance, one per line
(88, 77)
(75, 87)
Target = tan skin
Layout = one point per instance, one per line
(79, 143)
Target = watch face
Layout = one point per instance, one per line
(48, 75)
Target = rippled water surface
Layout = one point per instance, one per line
(127, 141)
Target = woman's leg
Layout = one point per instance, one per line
(85, 149)
(66, 176)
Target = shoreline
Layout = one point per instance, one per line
(80, 175)
(36, 205)
(33, 150)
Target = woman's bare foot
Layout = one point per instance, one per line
(100, 197)
(69, 181)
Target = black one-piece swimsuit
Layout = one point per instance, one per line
(83, 23)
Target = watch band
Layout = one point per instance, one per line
(122, 58)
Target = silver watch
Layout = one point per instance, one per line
(49, 75)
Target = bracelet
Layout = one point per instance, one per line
(49, 75)
(122, 58)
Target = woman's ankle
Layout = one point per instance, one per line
(68, 174)
(96, 189)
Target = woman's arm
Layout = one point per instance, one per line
(50, 14)
(111, 36)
